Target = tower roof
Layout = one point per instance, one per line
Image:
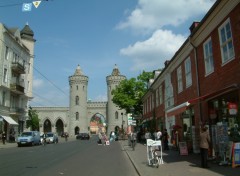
(27, 32)
(115, 71)
(78, 71)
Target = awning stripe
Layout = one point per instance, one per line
(9, 120)
(177, 109)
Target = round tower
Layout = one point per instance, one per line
(78, 102)
(115, 117)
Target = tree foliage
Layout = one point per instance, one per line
(33, 121)
(129, 92)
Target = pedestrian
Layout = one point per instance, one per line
(165, 140)
(204, 146)
(147, 136)
(3, 137)
(159, 137)
(133, 138)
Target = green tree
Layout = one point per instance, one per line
(33, 121)
(129, 92)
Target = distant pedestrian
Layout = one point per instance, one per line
(165, 140)
(204, 146)
(147, 136)
(3, 137)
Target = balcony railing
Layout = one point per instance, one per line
(17, 110)
(16, 86)
(18, 68)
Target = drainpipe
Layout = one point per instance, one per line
(197, 77)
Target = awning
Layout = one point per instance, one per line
(9, 120)
(177, 109)
(182, 107)
(215, 94)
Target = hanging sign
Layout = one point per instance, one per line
(232, 107)
(26, 7)
(36, 3)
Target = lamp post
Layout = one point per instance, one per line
(122, 121)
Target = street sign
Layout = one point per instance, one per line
(134, 123)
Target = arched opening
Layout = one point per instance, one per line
(77, 130)
(47, 126)
(59, 127)
(97, 123)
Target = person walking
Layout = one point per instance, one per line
(204, 146)
(3, 137)
(159, 137)
(165, 140)
(147, 136)
(133, 138)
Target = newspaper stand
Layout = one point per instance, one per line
(151, 145)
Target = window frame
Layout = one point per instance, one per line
(208, 56)
(225, 44)
(188, 72)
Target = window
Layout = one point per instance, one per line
(77, 87)
(188, 72)
(179, 78)
(77, 115)
(116, 115)
(5, 75)
(160, 95)
(7, 53)
(4, 98)
(157, 97)
(226, 43)
(168, 91)
(208, 56)
(77, 100)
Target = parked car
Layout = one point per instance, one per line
(29, 138)
(83, 136)
(51, 138)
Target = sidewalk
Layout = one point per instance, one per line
(174, 164)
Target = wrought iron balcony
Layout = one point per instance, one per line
(18, 68)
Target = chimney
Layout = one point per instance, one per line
(193, 26)
(166, 63)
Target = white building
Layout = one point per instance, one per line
(16, 77)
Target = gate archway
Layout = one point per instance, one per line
(59, 127)
(76, 130)
(97, 122)
(47, 127)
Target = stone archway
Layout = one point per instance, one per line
(59, 127)
(97, 122)
(76, 130)
(47, 126)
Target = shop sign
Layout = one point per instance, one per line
(232, 107)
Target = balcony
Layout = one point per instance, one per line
(18, 68)
(16, 87)
(17, 111)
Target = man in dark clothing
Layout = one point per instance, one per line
(165, 139)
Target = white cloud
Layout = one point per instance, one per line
(151, 15)
(153, 52)
(37, 83)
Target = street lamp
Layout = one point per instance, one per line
(122, 120)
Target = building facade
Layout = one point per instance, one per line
(16, 77)
(200, 85)
(84, 115)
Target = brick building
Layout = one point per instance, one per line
(200, 84)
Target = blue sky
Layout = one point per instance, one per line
(136, 35)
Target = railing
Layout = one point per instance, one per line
(19, 68)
